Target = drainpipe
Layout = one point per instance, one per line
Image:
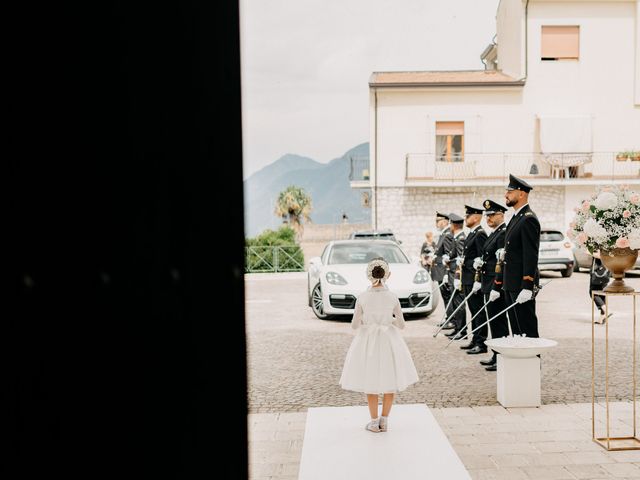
(526, 40)
(375, 160)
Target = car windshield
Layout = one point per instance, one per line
(551, 236)
(364, 253)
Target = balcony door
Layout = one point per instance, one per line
(450, 141)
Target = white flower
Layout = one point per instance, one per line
(606, 201)
(594, 230)
(634, 240)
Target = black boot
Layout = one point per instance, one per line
(491, 361)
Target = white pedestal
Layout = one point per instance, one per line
(518, 381)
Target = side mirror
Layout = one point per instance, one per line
(314, 264)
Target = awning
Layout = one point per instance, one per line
(565, 134)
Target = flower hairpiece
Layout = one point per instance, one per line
(377, 262)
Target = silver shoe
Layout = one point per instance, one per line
(373, 426)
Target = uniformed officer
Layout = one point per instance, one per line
(453, 259)
(443, 245)
(520, 268)
(492, 275)
(473, 246)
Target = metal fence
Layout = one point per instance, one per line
(269, 259)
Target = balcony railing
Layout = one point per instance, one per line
(359, 171)
(596, 166)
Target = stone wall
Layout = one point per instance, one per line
(410, 212)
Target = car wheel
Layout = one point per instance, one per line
(567, 272)
(317, 304)
(576, 265)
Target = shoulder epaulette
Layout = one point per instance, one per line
(529, 214)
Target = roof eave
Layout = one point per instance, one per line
(515, 83)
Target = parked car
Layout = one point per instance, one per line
(374, 235)
(583, 259)
(335, 279)
(556, 253)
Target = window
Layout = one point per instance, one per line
(450, 141)
(560, 43)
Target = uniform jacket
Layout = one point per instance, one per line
(492, 280)
(522, 245)
(473, 246)
(456, 251)
(443, 246)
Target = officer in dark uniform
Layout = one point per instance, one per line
(520, 268)
(453, 259)
(443, 245)
(473, 246)
(492, 276)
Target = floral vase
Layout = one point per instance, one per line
(618, 261)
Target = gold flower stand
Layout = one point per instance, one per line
(608, 442)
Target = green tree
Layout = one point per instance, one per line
(294, 205)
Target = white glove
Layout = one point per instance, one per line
(494, 295)
(524, 296)
(445, 280)
(456, 283)
(459, 260)
(445, 258)
(500, 254)
(476, 286)
(477, 263)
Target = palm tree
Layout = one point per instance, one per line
(294, 206)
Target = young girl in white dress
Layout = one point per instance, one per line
(378, 360)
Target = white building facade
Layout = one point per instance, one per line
(558, 105)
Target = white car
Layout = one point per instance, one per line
(337, 278)
(556, 253)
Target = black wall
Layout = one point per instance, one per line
(122, 330)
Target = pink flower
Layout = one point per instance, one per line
(572, 225)
(585, 206)
(626, 214)
(622, 242)
(635, 199)
(582, 238)
(570, 234)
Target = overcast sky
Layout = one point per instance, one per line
(306, 65)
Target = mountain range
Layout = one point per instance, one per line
(326, 183)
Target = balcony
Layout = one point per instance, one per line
(493, 169)
(359, 172)
(537, 168)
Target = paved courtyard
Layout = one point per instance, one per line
(295, 361)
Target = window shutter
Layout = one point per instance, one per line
(449, 128)
(560, 41)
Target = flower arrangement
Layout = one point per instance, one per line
(609, 219)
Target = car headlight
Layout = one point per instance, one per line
(421, 277)
(335, 278)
